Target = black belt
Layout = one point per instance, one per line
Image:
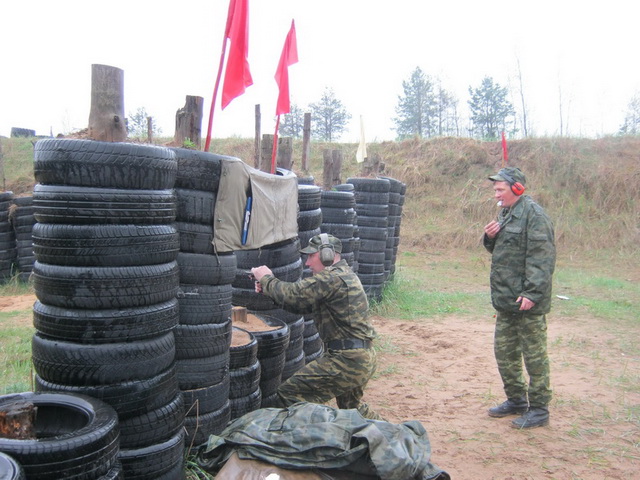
(348, 344)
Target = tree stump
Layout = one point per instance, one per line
(18, 420)
(332, 168)
(189, 121)
(256, 143)
(285, 153)
(266, 147)
(106, 118)
(306, 142)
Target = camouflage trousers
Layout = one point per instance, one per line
(339, 374)
(518, 337)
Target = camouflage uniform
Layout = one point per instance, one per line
(340, 308)
(522, 264)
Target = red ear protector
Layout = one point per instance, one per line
(516, 187)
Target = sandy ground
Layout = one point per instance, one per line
(442, 373)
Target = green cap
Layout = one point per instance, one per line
(317, 241)
(510, 175)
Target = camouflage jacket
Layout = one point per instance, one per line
(335, 297)
(523, 258)
(310, 436)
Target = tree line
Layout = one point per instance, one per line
(426, 109)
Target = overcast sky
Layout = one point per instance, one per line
(362, 49)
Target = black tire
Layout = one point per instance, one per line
(198, 269)
(370, 245)
(206, 340)
(339, 230)
(206, 399)
(86, 364)
(105, 326)
(86, 205)
(309, 219)
(273, 255)
(362, 184)
(368, 198)
(201, 372)
(195, 237)
(199, 427)
(243, 350)
(105, 245)
(373, 233)
(10, 469)
(201, 304)
(271, 368)
(92, 163)
(338, 215)
(105, 287)
(372, 210)
(195, 206)
(337, 199)
(292, 366)
(371, 257)
(161, 461)
(76, 437)
(309, 197)
(372, 222)
(129, 399)
(245, 380)
(245, 404)
(198, 170)
(153, 427)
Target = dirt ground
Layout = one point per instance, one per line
(442, 373)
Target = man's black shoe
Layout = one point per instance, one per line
(513, 406)
(535, 417)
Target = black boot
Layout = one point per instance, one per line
(513, 406)
(535, 417)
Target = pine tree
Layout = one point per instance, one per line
(137, 124)
(328, 117)
(490, 110)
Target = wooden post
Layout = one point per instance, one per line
(257, 149)
(150, 129)
(306, 142)
(4, 180)
(106, 118)
(285, 153)
(266, 149)
(336, 167)
(189, 121)
(238, 314)
(327, 172)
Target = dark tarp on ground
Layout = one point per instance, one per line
(274, 215)
(307, 436)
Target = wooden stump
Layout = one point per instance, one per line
(189, 121)
(17, 421)
(107, 119)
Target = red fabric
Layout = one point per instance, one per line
(288, 57)
(505, 155)
(237, 76)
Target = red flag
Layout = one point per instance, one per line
(237, 75)
(288, 57)
(505, 154)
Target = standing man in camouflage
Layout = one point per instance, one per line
(340, 309)
(522, 245)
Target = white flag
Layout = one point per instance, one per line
(361, 154)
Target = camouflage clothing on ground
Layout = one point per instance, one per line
(340, 308)
(522, 265)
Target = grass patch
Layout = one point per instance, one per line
(15, 355)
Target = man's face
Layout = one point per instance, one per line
(314, 263)
(502, 193)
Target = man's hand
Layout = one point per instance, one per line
(525, 303)
(258, 273)
(491, 229)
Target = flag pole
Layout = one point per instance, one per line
(274, 150)
(505, 154)
(215, 93)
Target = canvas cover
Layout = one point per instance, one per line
(274, 207)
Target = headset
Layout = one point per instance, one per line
(516, 187)
(326, 250)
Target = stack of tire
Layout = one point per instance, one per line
(22, 220)
(372, 208)
(309, 212)
(244, 371)
(203, 336)
(7, 238)
(339, 218)
(397, 191)
(106, 280)
(76, 437)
